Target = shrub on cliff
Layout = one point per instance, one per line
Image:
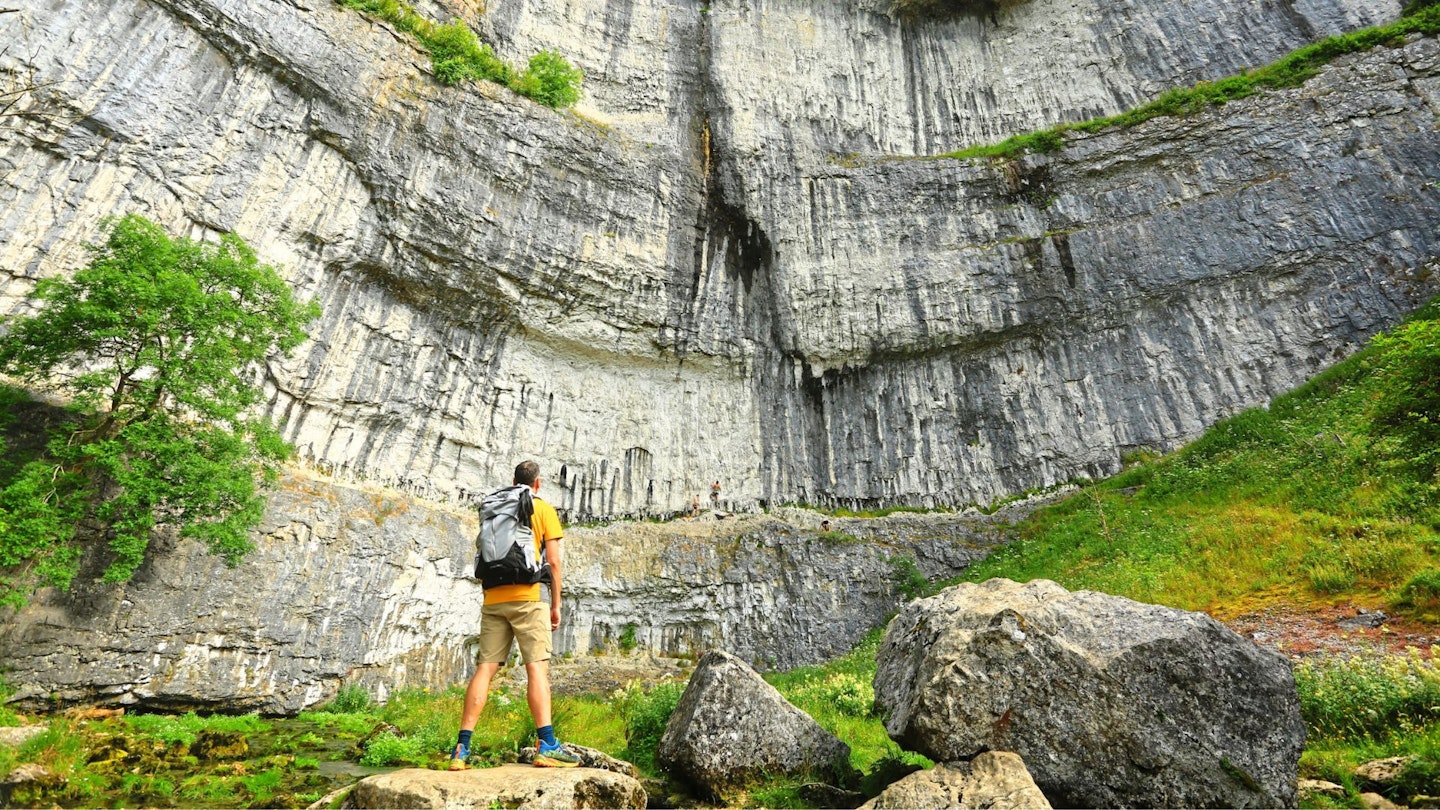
(550, 80)
(457, 55)
(156, 343)
(930, 9)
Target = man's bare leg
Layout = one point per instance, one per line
(477, 693)
(537, 692)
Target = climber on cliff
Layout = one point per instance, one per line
(513, 516)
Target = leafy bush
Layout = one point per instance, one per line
(909, 582)
(390, 749)
(457, 55)
(550, 80)
(850, 694)
(1365, 697)
(646, 712)
(156, 342)
(352, 698)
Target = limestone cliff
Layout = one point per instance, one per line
(716, 270)
(368, 586)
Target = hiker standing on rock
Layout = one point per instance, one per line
(519, 549)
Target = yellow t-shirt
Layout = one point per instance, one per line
(545, 522)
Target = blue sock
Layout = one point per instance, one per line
(547, 736)
(465, 738)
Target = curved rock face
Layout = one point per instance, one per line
(731, 728)
(1110, 702)
(696, 279)
(372, 587)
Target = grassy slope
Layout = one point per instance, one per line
(1316, 499)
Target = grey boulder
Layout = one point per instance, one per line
(731, 727)
(994, 780)
(1110, 702)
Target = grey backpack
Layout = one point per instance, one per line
(505, 548)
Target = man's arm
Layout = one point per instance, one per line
(552, 557)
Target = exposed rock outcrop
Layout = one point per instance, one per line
(362, 585)
(994, 780)
(731, 727)
(515, 786)
(1110, 702)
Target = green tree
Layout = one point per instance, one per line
(157, 343)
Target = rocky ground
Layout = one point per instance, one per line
(1337, 630)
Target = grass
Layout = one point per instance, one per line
(1358, 711)
(1292, 70)
(1313, 499)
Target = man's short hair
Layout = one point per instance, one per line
(526, 472)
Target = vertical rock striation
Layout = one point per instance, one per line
(709, 271)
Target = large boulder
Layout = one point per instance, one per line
(731, 727)
(1110, 702)
(520, 787)
(995, 780)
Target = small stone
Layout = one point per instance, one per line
(29, 773)
(1382, 772)
(589, 758)
(1374, 801)
(1309, 788)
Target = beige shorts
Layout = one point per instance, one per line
(526, 622)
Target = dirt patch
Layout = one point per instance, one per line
(1334, 630)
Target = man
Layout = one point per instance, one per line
(515, 612)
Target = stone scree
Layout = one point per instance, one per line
(731, 727)
(1110, 702)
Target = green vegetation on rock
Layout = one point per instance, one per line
(1292, 70)
(156, 344)
(457, 55)
(940, 9)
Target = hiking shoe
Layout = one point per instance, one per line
(557, 757)
(458, 757)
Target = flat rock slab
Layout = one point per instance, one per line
(518, 787)
(18, 735)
